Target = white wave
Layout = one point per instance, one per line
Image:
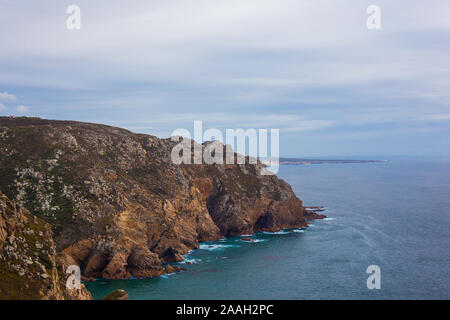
(318, 209)
(167, 275)
(214, 246)
(285, 231)
(188, 260)
(253, 240)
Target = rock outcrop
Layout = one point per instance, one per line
(117, 295)
(29, 266)
(311, 213)
(119, 206)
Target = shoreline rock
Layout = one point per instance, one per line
(311, 213)
(117, 295)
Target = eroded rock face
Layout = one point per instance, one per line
(144, 264)
(29, 266)
(117, 204)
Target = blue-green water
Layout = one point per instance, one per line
(395, 215)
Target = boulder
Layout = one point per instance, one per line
(117, 295)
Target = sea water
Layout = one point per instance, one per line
(395, 215)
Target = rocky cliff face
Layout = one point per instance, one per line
(29, 267)
(117, 204)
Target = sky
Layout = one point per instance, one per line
(312, 69)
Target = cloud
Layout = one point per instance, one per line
(2, 107)
(310, 125)
(306, 67)
(22, 109)
(436, 117)
(7, 96)
(261, 43)
(164, 124)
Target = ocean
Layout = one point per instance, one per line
(395, 215)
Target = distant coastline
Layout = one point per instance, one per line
(302, 161)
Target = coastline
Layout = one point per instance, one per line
(217, 244)
(218, 247)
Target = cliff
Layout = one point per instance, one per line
(117, 204)
(29, 266)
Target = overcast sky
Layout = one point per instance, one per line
(310, 68)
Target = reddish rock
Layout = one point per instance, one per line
(143, 263)
(172, 268)
(310, 213)
(88, 279)
(117, 295)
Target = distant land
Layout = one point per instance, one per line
(301, 161)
